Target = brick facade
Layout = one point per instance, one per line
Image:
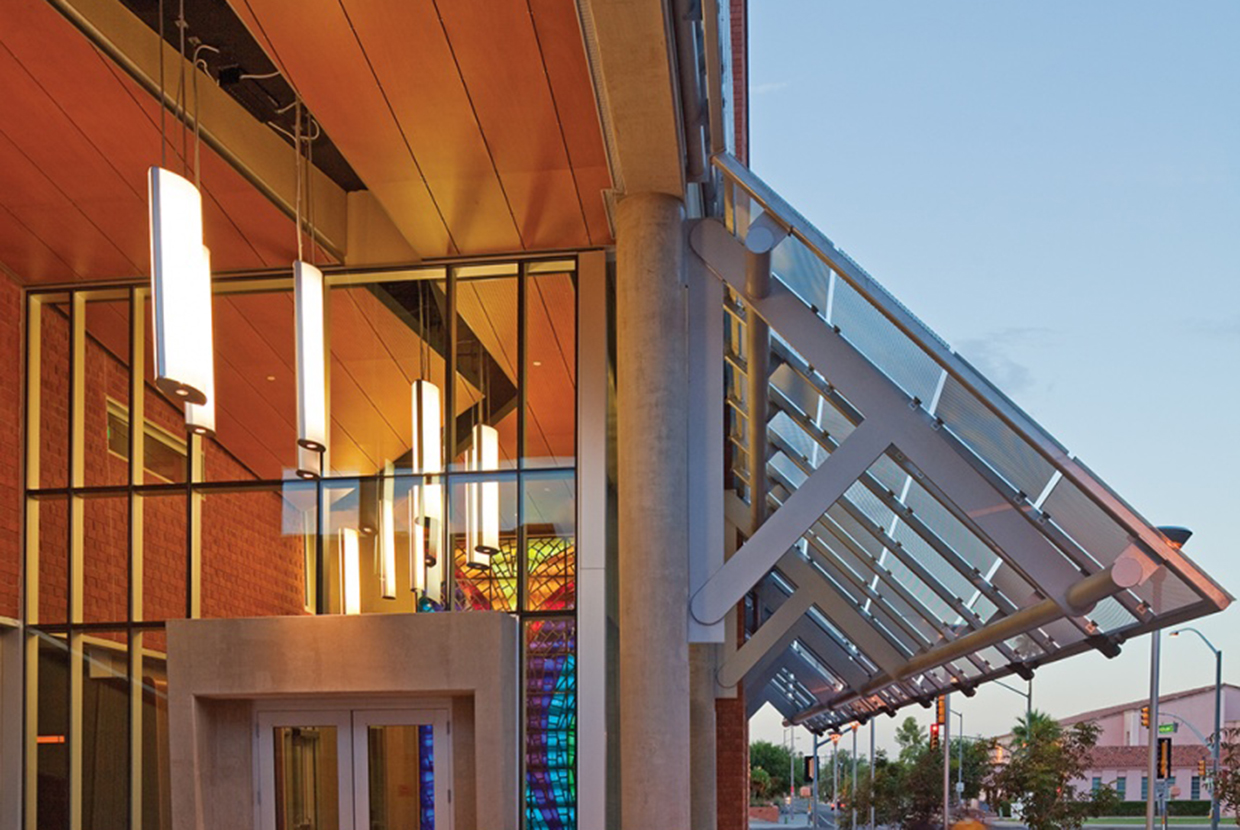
(250, 566)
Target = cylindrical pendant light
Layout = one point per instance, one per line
(311, 363)
(181, 288)
(387, 532)
(350, 571)
(426, 498)
(200, 418)
(482, 499)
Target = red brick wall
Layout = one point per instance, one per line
(10, 445)
(732, 756)
(250, 568)
(740, 76)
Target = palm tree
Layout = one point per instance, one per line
(1034, 727)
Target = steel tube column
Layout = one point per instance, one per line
(704, 801)
(653, 500)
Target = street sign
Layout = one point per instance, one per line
(959, 788)
(1168, 728)
(1164, 757)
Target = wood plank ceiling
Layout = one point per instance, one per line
(472, 121)
(76, 138)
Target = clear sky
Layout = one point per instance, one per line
(1054, 187)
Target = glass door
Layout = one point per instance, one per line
(354, 769)
(403, 759)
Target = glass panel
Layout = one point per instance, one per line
(105, 730)
(163, 445)
(53, 518)
(402, 777)
(105, 559)
(52, 748)
(884, 345)
(549, 513)
(483, 538)
(803, 272)
(306, 763)
(256, 386)
(486, 366)
(993, 441)
(54, 395)
(551, 725)
(165, 560)
(107, 383)
(368, 546)
(254, 545)
(384, 336)
(551, 370)
(156, 770)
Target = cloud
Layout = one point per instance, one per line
(763, 89)
(991, 356)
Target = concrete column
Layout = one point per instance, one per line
(653, 504)
(704, 804)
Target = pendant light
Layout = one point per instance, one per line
(180, 282)
(309, 310)
(482, 499)
(426, 498)
(387, 532)
(350, 571)
(200, 418)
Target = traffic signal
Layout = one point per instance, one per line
(1145, 716)
(940, 710)
(934, 736)
(1201, 767)
(809, 767)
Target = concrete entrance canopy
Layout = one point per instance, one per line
(924, 535)
(218, 668)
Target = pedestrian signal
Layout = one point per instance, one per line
(809, 767)
(1145, 716)
(1201, 767)
(940, 710)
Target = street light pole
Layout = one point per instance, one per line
(813, 810)
(1218, 721)
(1176, 537)
(947, 755)
(960, 760)
(852, 798)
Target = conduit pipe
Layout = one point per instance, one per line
(1128, 571)
(760, 240)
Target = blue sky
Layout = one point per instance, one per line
(1054, 187)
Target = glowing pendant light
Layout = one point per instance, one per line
(311, 364)
(181, 288)
(426, 499)
(200, 418)
(482, 499)
(350, 571)
(387, 532)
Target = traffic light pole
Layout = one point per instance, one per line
(945, 730)
(852, 797)
(813, 810)
(872, 794)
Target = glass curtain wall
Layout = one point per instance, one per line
(449, 485)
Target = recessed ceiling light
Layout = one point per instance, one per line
(537, 362)
(271, 377)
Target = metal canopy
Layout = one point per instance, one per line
(922, 534)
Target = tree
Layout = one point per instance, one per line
(774, 760)
(1227, 784)
(912, 739)
(1045, 758)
